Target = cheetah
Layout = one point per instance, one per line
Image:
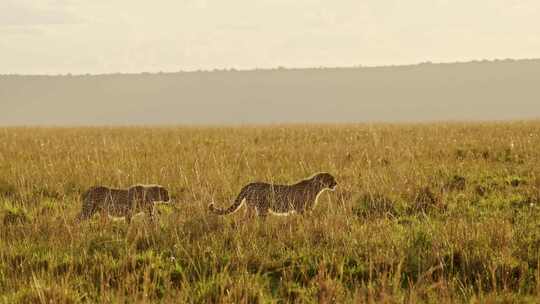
(267, 198)
(122, 202)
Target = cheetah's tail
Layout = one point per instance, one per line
(232, 209)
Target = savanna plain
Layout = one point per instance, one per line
(423, 213)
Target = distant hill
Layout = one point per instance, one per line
(487, 90)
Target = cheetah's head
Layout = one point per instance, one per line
(326, 181)
(159, 194)
(164, 194)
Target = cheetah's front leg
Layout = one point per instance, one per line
(151, 211)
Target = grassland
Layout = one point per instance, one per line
(434, 213)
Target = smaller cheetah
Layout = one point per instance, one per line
(122, 202)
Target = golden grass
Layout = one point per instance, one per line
(444, 212)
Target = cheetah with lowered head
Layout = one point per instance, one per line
(122, 202)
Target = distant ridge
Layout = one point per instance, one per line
(477, 90)
(280, 68)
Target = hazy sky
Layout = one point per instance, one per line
(104, 36)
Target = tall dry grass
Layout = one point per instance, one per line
(443, 212)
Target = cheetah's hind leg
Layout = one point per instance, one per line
(104, 216)
(262, 212)
(87, 211)
(249, 214)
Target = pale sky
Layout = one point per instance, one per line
(107, 36)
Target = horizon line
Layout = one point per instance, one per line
(277, 68)
(277, 124)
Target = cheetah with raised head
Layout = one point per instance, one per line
(265, 198)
